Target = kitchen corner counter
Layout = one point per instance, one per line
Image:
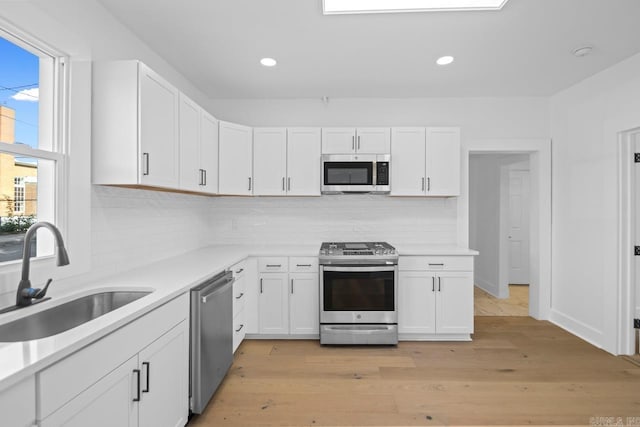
(414, 249)
(167, 279)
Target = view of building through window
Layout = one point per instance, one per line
(19, 119)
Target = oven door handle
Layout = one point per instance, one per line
(356, 268)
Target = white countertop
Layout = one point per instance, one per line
(167, 279)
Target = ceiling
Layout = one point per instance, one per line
(522, 50)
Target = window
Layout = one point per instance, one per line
(32, 161)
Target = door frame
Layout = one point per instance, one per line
(627, 274)
(539, 151)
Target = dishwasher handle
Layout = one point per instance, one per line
(216, 287)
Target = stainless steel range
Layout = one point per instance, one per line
(359, 295)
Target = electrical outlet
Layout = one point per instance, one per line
(636, 323)
(636, 157)
(637, 251)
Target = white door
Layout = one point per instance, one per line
(454, 302)
(209, 152)
(109, 402)
(273, 303)
(164, 381)
(235, 169)
(191, 177)
(443, 161)
(338, 140)
(408, 162)
(159, 148)
(304, 296)
(269, 161)
(518, 227)
(637, 226)
(416, 302)
(373, 140)
(303, 162)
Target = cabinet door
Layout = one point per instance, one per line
(164, 381)
(251, 297)
(443, 161)
(373, 140)
(304, 300)
(209, 152)
(303, 162)
(416, 302)
(274, 303)
(17, 404)
(158, 127)
(338, 140)
(191, 178)
(269, 161)
(239, 330)
(109, 402)
(408, 162)
(234, 172)
(454, 302)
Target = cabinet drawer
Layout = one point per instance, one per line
(303, 264)
(436, 263)
(239, 330)
(66, 379)
(239, 269)
(273, 264)
(239, 296)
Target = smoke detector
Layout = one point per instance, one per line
(582, 51)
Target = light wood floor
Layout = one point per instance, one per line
(516, 371)
(516, 305)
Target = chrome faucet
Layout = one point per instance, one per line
(26, 294)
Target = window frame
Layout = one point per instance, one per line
(53, 124)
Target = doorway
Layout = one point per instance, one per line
(499, 211)
(539, 154)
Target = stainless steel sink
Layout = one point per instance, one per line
(66, 316)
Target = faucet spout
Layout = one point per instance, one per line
(25, 293)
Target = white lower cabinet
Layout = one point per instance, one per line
(239, 298)
(435, 301)
(136, 376)
(17, 404)
(288, 296)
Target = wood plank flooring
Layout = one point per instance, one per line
(517, 304)
(516, 371)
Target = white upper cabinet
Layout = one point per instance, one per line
(352, 140)
(269, 161)
(408, 162)
(209, 152)
(286, 161)
(235, 159)
(425, 162)
(443, 162)
(198, 148)
(135, 126)
(303, 162)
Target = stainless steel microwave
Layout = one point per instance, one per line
(355, 173)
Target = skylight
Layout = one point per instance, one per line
(331, 7)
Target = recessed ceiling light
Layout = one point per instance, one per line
(582, 51)
(444, 60)
(330, 7)
(268, 62)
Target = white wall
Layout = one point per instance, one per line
(585, 120)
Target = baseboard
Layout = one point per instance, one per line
(282, 336)
(434, 337)
(577, 328)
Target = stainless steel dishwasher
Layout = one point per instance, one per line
(211, 337)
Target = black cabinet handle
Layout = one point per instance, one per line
(240, 328)
(239, 271)
(240, 296)
(137, 398)
(148, 365)
(303, 265)
(292, 286)
(439, 283)
(433, 284)
(260, 285)
(146, 163)
(274, 265)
